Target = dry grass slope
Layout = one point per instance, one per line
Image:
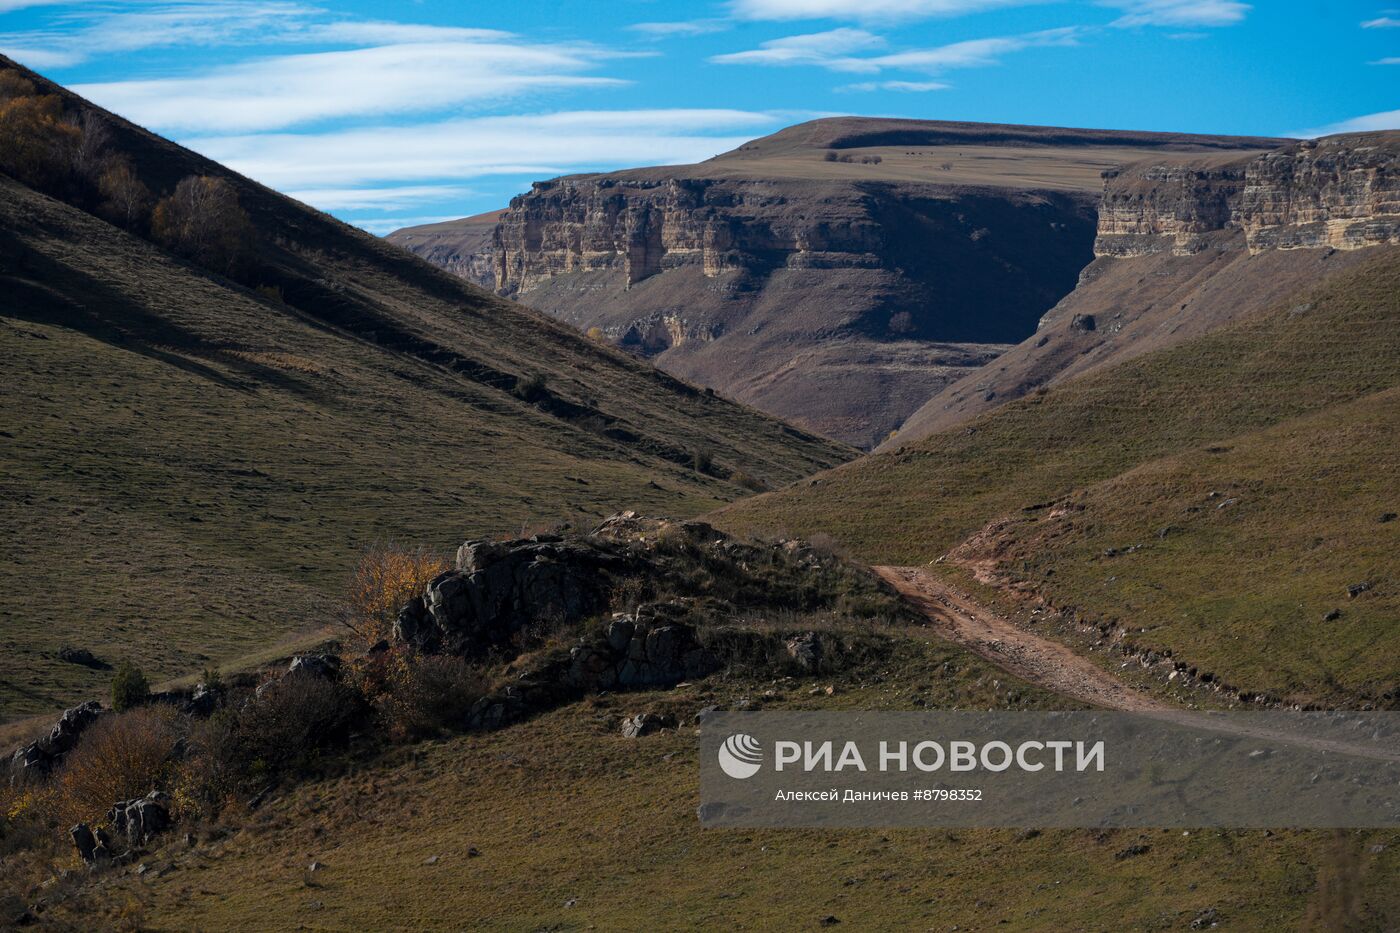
(189, 466)
(1246, 587)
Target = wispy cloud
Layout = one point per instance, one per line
(914, 87)
(394, 198)
(283, 91)
(89, 32)
(1382, 22)
(1387, 61)
(864, 10)
(695, 27)
(536, 146)
(1387, 120)
(818, 48)
(1179, 12)
(831, 51)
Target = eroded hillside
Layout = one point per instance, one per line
(837, 273)
(1183, 248)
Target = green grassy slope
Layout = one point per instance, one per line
(188, 467)
(1237, 554)
(1311, 357)
(578, 828)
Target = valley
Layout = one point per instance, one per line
(836, 274)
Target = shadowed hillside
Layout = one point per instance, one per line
(191, 459)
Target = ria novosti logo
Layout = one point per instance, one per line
(741, 756)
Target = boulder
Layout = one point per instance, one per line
(83, 657)
(203, 701)
(806, 651)
(137, 821)
(634, 727)
(501, 589)
(324, 666)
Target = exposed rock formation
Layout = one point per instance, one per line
(1155, 207)
(1185, 247)
(837, 293)
(498, 589)
(41, 756)
(1341, 192)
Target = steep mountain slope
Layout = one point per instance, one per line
(837, 273)
(1252, 538)
(188, 463)
(1182, 248)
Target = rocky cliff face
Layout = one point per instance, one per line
(1341, 192)
(639, 228)
(837, 273)
(1186, 247)
(839, 306)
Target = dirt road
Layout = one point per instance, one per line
(1041, 661)
(1051, 665)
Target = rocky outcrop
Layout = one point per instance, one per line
(1341, 192)
(639, 227)
(129, 826)
(1166, 207)
(651, 647)
(500, 589)
(43, 755)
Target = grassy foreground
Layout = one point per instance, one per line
(577, 828)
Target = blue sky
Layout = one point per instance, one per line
(388, 114)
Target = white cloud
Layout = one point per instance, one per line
(1179, 12)
(382, 225)
(536, 146)
(902, 86)
(7, 5)
(1382, 22)
(284, 91)
(820, 48)
(697, 27)
(969, 54)
(100, 30)
(1387, 120)
(392, 198)
(1387, 61)
(864, 10)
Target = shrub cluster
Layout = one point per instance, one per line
(69, 156)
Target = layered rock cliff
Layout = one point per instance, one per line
(838, 273)
(1341, 192)
(1185, 247)
(839, 306)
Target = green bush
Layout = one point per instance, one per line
(129, 687)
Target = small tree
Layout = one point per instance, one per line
(531, 388)
(203, 221)
(702, 460)
(36, 145)
(126, 200)
(386, 577)
(129, 687)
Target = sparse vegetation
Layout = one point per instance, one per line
(1288, 398)
(373, 400)
(203, 221)
(122, 756)
(130, 688)
(385, 577)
